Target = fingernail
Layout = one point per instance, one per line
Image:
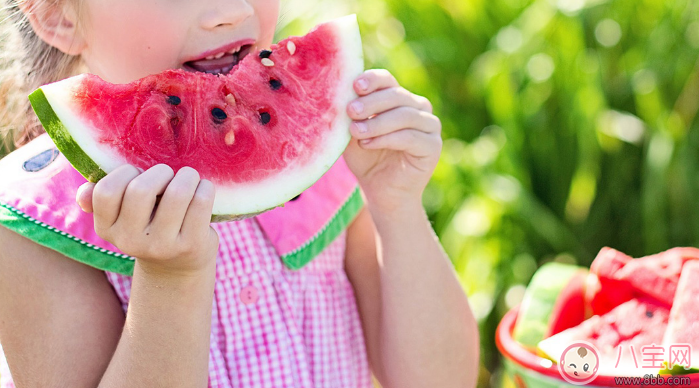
(366, 141)
(361, 127)
(80, 191)
(357, 107)
(363, 84)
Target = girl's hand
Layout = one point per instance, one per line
(172, 237)
(396, 141)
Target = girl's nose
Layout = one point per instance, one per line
(226, 13)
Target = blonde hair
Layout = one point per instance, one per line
(26, 63)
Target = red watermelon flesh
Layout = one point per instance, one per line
(657, 275)
(683, 327)
(608, 262)
(262, 133)
(604, 291)
(637, 322)
(569, 309)
(603, 294)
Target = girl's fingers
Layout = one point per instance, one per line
(373, 80)
(174, 203)
(399, 118)
(198, 215)
(140, 196)
(84, 196)
(385, 100)
(413, 142)
(108, 194)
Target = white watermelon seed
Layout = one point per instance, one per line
(230, 137)
(231, 99)
(267, 62)
(291, 46)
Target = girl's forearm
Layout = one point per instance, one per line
(165, 342)
(429, 337)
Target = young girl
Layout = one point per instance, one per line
(217, 302)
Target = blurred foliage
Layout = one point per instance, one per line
(569, 125)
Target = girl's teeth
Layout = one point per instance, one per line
(218, 56)
(210, 57)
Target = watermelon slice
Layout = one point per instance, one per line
(569, 310)
(608, 262)
(657, 275)
(552, 302)
(262, 133)
(603, 290)
(683, 327)
(638, 323)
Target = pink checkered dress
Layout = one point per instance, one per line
(274, 327)
(278, 319)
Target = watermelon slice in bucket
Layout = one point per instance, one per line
(262, 133)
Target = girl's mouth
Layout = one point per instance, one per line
(219, 63)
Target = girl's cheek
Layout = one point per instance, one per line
(267, 12)
(125, 44)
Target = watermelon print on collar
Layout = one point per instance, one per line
(41, 206)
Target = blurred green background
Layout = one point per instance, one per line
(569, 125)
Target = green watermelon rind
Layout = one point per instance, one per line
(63, 139)
(533, 319)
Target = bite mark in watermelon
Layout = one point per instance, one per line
(262, 133)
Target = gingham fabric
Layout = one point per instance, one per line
(272, 326)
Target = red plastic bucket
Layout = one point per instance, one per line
(524, 369)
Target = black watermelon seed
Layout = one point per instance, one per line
(296, 197)
(649, 314)
(265, 54)
(275, 84)
(174, 100)
(265, 118)
(219, 114)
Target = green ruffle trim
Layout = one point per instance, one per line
(65, 243)
(310, 249)
(106, 260)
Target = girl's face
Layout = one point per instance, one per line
(129, 39)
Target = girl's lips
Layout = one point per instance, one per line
(221, 65)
